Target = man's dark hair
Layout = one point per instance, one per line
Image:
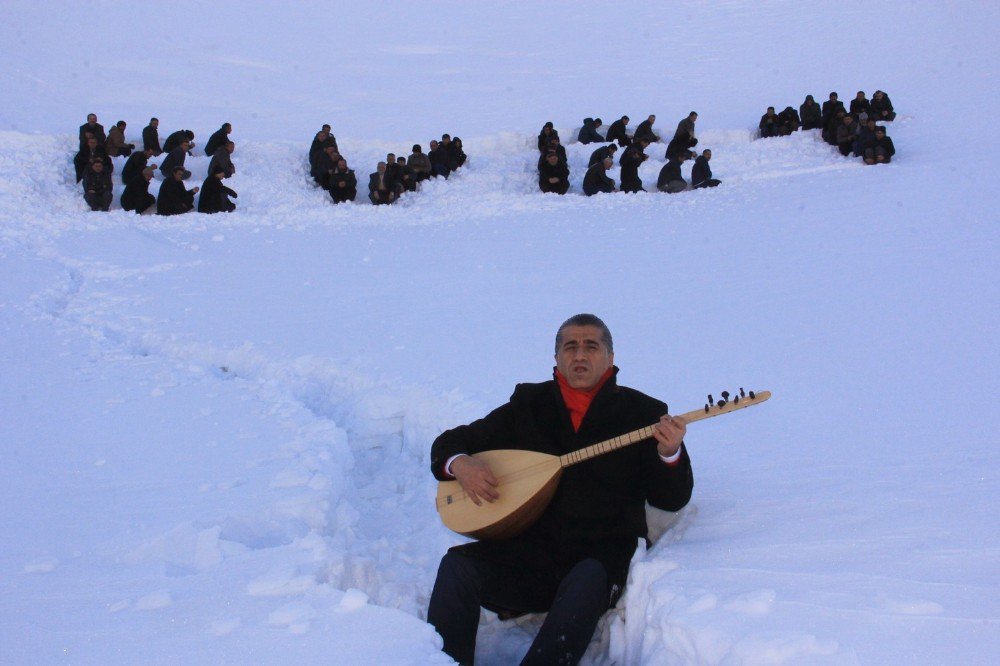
(586, 320)
(152, 119)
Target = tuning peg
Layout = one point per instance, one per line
(742, 394)
(752, 396)
(710, 400)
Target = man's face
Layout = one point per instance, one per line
(92, 119)
(155, 123)
(582, 357)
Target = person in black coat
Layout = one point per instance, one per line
(218, 139)
(214, 195)
(596, 179)
(174, 198)
(98, 190)
(151, 136)
(135, 164)
(617, 132)
(629, 162)
(645, 131)
(588, 133)
(440, 160)
(860, 105)
(175, 158)
(93, 127)
(573, 561)
(810, 114)
(788, 121)
(670, 179)
(556, 147)
(768, 124)
(601, 153)
(175, 139)
(381, 186)
(324, 165)
(831, 107)
(881, 149)
(701, 173)
(320, 143)
(136, 195)
(553, 175)
(881, 107)
(407, 178)
(458, 156)
(548, 131)
(88, 153)
(343, 183)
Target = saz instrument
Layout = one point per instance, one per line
(527, 480)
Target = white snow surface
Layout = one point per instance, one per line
(216, 429)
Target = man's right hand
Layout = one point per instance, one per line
(476, 479)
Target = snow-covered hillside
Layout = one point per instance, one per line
(216, 429)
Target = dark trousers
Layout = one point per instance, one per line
(98, 200)
(711, 182)
(575, 603)
(559, 188)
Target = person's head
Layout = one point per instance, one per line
(326, 128)
(329, 150)
(848, 119)
(230, 146)
(154, 122)
(833, 96)
(91, 141)
(607, 162)
(625, 119)
(552, 157)
(401, 160)
(219, 172)
(147, 173)
(178, 173)
(860, 95)
(878, 95)
(148, 152)
(342, 164)
(227, 127)
(390, 158)
(416, 148)
(185, 145)
(809, 99)
(91, 118)
(693, 115)
(547, 127)
(707, 154)
(445, 138)
(584, 350)
(97, 165)
(612, 147)
(554, 141)
(651, 119)
(189, 134)
(321, 135)
(434, 144)
(381, 167)
(770, 110)
(120, 124)
(457, 141)
(879, 132)
(871, 124)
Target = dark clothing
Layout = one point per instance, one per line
(174, 159)
(136, 195)
(214, 197)
(588, 133)
(880, 148)
(218, 139)
(175, 139)
(679, 144)
(645, 131)
(407, 178)
(788, 121)
(174, 198)
(324, 166)
(685, 128)
(439, 162)
(768, 126)
(343, 185)
(134, 165)
(559, 151)
(881, 109)
(670, 179)
(421, 165)
(596, 180)
(222, 158)
(455, 155)
(83, 159)
(810, 115)
(115, 144)
(558, 170)
(98, 189)
(701, 174)
(598, 155)
(97, 129)
(617, 133)
(830, 109)
(594, 520)
(151, 139)
(846, 134)
(381, 188)
(630, 160)
(859, 106)
(544, 138)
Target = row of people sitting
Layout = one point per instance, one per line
(396, 175)
(173, 197)
(825, 118)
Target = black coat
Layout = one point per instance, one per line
(882, 108)
(174, 198)
(558, 170)
(679, 144)
(174, 140)
(617, 133)
(86, 156)
(811, 115)
(349, 190)
(597, 180)
(599, 506)
(97, 130)
(151, 139)
(136, 195)
(174, 159)
(645, 131)
(560, 153)
(588, 133)
(543, 139)
(599, 155)
(670, 171)
(830, 109)
(700, 172)
(214, 197)
(859, 106)
(218, 138)
(97, 183)
(134, 165)
(630, 160)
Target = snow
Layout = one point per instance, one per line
(216, 428)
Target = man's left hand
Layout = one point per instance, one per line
(669, 434)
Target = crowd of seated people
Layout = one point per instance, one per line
(553, 168)
(854, 130)
(392, 177)
(94, 167)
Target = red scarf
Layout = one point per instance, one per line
(578, 400)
